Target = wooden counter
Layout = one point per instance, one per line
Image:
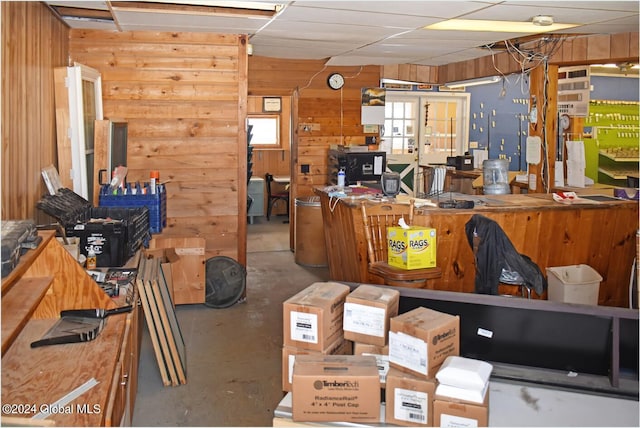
(599, 234)
(46, 281)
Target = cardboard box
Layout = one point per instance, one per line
(340, 347)
(413, 248)
(188, 272)
(335, 388)
(367, 311)
(421, 339)
(409, 399)
(457, 413)
(381, 354)
(312, 318)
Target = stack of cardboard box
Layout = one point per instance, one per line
(341, 347)
(367, 314)
(312, 324)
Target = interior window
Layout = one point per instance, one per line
(265, 130)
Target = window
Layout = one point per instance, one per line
(400, 125)
(264, 131)
(432, 124)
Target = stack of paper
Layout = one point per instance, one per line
(464, 379)
(575, 163)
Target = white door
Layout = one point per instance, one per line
(444, 129)
(423, 129)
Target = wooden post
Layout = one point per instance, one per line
(543, 93)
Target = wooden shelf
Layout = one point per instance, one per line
(19, 305)
(25, 262)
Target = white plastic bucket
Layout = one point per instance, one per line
(574, 284)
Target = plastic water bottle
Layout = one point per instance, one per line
(341, 177)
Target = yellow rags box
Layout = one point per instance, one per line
(413, 248)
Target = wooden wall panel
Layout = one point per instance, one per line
(34, 42)
(333, 116)
(184, 98)
(574, 50)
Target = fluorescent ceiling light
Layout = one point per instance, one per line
(495, 26)
(220, 8)
(251, 5)
(401, 82)
(473, 82)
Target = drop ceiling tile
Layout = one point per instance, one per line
(320, 31)
(523, 13)
(440, 9)
(348, 17)
(628, 6)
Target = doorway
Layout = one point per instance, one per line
(423, 129)
(271, 153)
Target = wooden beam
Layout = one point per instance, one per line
(543, 83)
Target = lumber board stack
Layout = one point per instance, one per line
(159, 312)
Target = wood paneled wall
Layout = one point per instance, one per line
(184, 98)
(34, 42)
(574, 50)
(332, 117)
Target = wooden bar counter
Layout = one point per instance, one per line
(601, 234)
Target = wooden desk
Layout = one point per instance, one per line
(601, 235)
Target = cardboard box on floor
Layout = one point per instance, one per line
(409, 399)
(289, 353)
(381, 353)
(421, 339)
(312, 318)
(188, 272)
(335, 388)
(367, 311)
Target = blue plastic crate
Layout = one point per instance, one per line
(156, 203)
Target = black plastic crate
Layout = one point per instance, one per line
(115, 234)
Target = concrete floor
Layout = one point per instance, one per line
(234, 355)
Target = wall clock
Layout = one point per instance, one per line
(335, 81)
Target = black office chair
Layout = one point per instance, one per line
(272, 198)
